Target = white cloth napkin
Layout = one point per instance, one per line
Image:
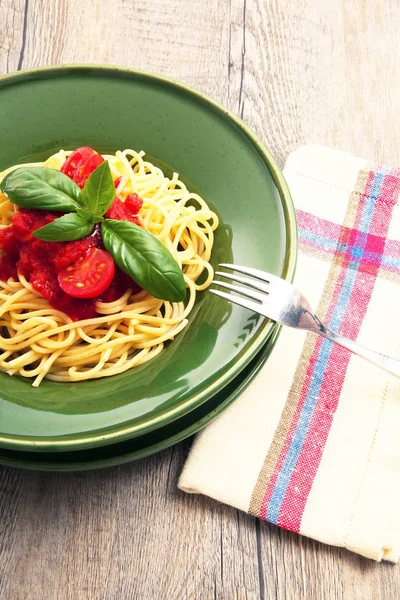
(313, 444)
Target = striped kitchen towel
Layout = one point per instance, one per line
(313, 444)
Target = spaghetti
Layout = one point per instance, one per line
(38, 341)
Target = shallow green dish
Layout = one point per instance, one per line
(111, 108)
(149, 443)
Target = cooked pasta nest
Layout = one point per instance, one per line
(37, 341)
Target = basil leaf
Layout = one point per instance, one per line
(89, 217)
(143, 257)
(99, 191)
(41, 188)
(65, 229)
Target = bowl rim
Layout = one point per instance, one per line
(99, 437)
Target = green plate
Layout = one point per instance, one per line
(111, 108)
(149, 443)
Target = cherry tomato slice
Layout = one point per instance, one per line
(89, 276)
(81, 163)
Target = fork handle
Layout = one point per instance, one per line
(391, 365)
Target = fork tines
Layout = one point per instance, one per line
(268, 277)
(255, 290)
(252, 283)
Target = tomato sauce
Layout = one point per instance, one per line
(126, 211)
(40, 262)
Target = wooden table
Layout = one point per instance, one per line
(297, 71)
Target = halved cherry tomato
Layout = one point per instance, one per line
(89, 276)
(81, 163)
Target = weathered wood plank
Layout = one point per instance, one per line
(12, 35)
(297, 72)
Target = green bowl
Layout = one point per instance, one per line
(216, 155)
(148, 443)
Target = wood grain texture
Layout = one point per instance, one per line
(307, 71)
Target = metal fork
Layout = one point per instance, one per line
(280, 301)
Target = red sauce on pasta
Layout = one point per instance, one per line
(40, 262)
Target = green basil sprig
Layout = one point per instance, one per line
(67, 228)
(136, 251)
(95, 198)
(99, 191)
(42, 188)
